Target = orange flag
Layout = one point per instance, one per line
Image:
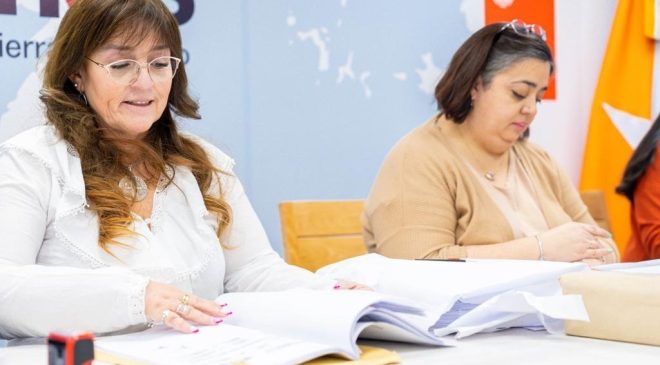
(622, 107)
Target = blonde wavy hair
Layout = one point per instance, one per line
(86, 26)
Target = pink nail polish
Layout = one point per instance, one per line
(222, 305)
(336, 286)
(229, 313)
(217, 320)
(194, 329)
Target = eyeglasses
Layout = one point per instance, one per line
(524, 29)
(125, 72)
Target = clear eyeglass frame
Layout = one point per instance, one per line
(523, 28)
(125, 72)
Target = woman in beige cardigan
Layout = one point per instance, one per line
(467, 183)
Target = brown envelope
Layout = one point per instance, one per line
(621, 306)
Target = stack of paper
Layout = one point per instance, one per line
(474, 295)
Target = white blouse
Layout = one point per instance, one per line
(54, 275)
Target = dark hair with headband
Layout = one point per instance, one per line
(483, 55)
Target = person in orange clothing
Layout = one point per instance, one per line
(641, 185)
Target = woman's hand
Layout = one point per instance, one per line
(168, 305)
(575, 242)
(607, 259)
(350, 285)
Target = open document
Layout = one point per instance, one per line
(474, 295)
(281, 328)
(333, 317)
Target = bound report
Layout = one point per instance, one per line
(281, 328)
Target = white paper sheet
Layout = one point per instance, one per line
(642, 267)
(213, 345)
(442, 282)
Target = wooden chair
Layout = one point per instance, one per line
(595, 202)
(318, 233)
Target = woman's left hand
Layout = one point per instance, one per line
(350, 285)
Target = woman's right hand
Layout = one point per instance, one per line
(167, 304)
(574, 242)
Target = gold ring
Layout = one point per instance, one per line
(184, 299)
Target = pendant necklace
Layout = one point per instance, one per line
(126, 186)
(141, 188)
(489, 174)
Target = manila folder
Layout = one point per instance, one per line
(621, 306)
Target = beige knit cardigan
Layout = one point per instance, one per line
(426, 203)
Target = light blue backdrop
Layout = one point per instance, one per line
(272, 95)
(295, 131)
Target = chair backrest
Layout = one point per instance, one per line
(318, 233)
(595, 202)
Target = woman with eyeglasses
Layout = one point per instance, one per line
(467, 183)
(111, 218)
(641, 186)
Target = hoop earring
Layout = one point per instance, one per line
(82, 94)
(84, 99)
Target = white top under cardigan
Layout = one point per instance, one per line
(54, 275)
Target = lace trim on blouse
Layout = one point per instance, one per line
(79, 207)
(136, 290)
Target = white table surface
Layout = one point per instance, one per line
(519, 346)
(516, 346)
